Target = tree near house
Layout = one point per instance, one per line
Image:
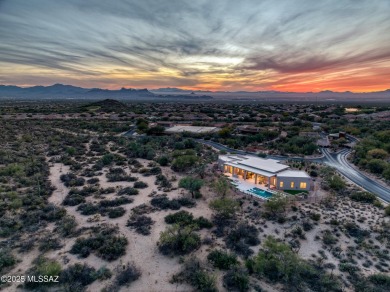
(276, 205)
(224, 207)
(221, 186)
(191, 184)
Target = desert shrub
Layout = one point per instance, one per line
(186, 202)
(349, 268)
(6, 259)
(224, 207)
(364, 197)
(328, 238)
(184, 162)
(116, 212)
(50, 243)
(174, 204)
(381, 281)
(129, 191)
(8, 226)
(315, 216)
(73, 200)
(127, 274)
(77, 197)
(108, 190)
(163, 181)
(52, 213)
(27, 245)
(335, 182)
(236, 279)
(240, 238)
(88, 209)
(116, 177)
(222, 260)
(142, 209)
(140, 185)
(85, 191)
(162, 202)
(178, 240)
(387, 210)
(92, 181)
(181, 217)
(43, 267)
(151, 171)
(194, 274)
(185, 218)
(140, 223)
(103, 273)
(71, 180)
(298, 231)
(78, 273)
(355, 231)
(203, 222)
(115, 202)
(278, 263)
(307, 226)
(105, 243)
(163, 160)
(276, 206)
(66, 226)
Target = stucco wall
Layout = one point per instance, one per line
(297, 180)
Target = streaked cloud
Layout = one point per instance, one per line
(230, 45)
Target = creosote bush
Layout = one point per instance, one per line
(222, 260)
(184, 218)
(179, 240)
(194, 274)
(140, 223)
(104, 242)
(236, 279)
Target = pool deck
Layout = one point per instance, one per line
(245, 185)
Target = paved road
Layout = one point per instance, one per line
(336, 160)
(341, 164)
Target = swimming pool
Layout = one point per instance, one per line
(261, 193)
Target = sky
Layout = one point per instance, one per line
(284, 45)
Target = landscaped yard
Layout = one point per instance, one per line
(295, 192)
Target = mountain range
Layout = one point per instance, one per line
(61, 91)
(73, 92)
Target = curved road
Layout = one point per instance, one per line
(341, 164)
(336, 160)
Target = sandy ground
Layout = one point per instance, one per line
(156, 269)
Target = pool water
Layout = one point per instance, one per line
(261, 193)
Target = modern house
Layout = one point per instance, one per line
(268, 172)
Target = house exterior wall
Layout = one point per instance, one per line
(296, 180)
(221, 164)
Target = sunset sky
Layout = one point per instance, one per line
(286, 45)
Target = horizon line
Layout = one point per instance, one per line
(200, 90)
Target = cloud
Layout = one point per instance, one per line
(190, 43)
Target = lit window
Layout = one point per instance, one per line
(302, 185)
(281, 184)
(292, 184)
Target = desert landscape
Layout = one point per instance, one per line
(155, 213)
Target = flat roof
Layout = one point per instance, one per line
(256, 164)
(251, 169)
(192, 129)
(292, 173)
(270, 165)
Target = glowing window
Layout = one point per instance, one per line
(281, 184)
(292, 184)
(302, 185)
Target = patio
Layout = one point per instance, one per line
(245, 185)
